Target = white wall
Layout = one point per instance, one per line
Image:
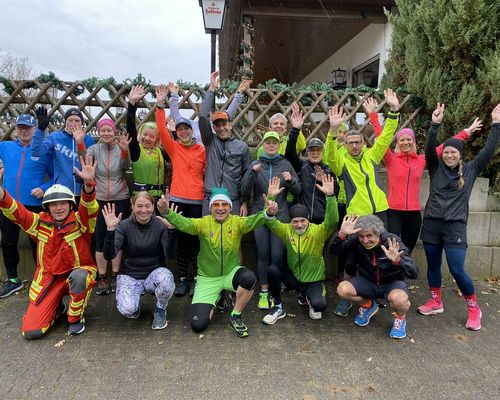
(374, 39)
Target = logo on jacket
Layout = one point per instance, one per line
(292, 240)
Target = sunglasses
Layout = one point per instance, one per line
(220, 204)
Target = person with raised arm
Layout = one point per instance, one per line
(64, 264)
(186, 191)
(444, 226)
(304, 242)
(404, 174)
(219, 266)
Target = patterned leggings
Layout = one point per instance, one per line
(160, 282)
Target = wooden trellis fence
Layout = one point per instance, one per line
(249, 123)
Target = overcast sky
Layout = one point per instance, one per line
(162, 39)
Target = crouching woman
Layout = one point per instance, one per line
(142, 238)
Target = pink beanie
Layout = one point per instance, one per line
(405, 131)
(106, 121)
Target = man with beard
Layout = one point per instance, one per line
(304, 243)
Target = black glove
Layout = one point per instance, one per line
(43, 118)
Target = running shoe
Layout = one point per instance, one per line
(265, 301)
(342, 309)
(365, 314)
(398, 330)
(433, 306)
(160, 319)
(275, 314)
(102, 286)
(238, 326)
(77, 327)
(10, 287)
(474, 319)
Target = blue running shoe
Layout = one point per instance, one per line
(398, 330)
(365, 314)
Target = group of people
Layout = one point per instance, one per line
(74, 189)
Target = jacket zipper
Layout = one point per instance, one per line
(407, 182)
(377, 272)
(300, 264)
(221, 251)
(223, 162)
(19, 171)
(370, 195)
(109, 167)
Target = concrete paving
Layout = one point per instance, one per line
(297, 358)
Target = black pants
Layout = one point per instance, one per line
(405, 224)
(200, 312)
(314, 291)
(340, 257)
(10, 240)
(188, 246)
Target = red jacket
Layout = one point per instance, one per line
(188, 163)
(61, 250)
(404, 173)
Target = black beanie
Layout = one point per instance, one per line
(73, 111)
(299, 211)
(457, 144)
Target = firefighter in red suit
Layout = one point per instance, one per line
(64, 263)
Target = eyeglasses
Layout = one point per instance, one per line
(354, 143)
(220, 205)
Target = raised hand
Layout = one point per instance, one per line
(327, 185)
(111, 219)
(173, 88)
(171, 123)
(392, 252)
(37, 192)
(256, 167)
(161, 93)
(274, 187)
(297, 116)
(136, 94)
(78, 133)
(336, 116)
(42, 118)
(348, 226)
(88, 169)
(271, 206)
(438, 113)
(287, 176)
(163, 203)
(392, 99)
(214, 81)
(244, 85)
(475, 126)
(495, 115)
(123, 141)
(318, 173)
(370, 104)
(244, 209)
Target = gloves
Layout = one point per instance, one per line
(43, 118)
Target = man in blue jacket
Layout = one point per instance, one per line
(26, 180)
(64, 146)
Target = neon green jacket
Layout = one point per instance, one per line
(219, 242)
(364, 196)
(305, 252)
(340, 148)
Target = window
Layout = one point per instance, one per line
(367, 73)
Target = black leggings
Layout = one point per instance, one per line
(314, 291)
(188, 246)
(201, 312)
(405, 224)
(270, 249)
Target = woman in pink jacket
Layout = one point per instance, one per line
(404, 173)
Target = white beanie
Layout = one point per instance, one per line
(220, 197)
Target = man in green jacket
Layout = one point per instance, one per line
(358, 167)
(304, 243)
(219, 258)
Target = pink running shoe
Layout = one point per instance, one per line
(474, 320)
(433, 306)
